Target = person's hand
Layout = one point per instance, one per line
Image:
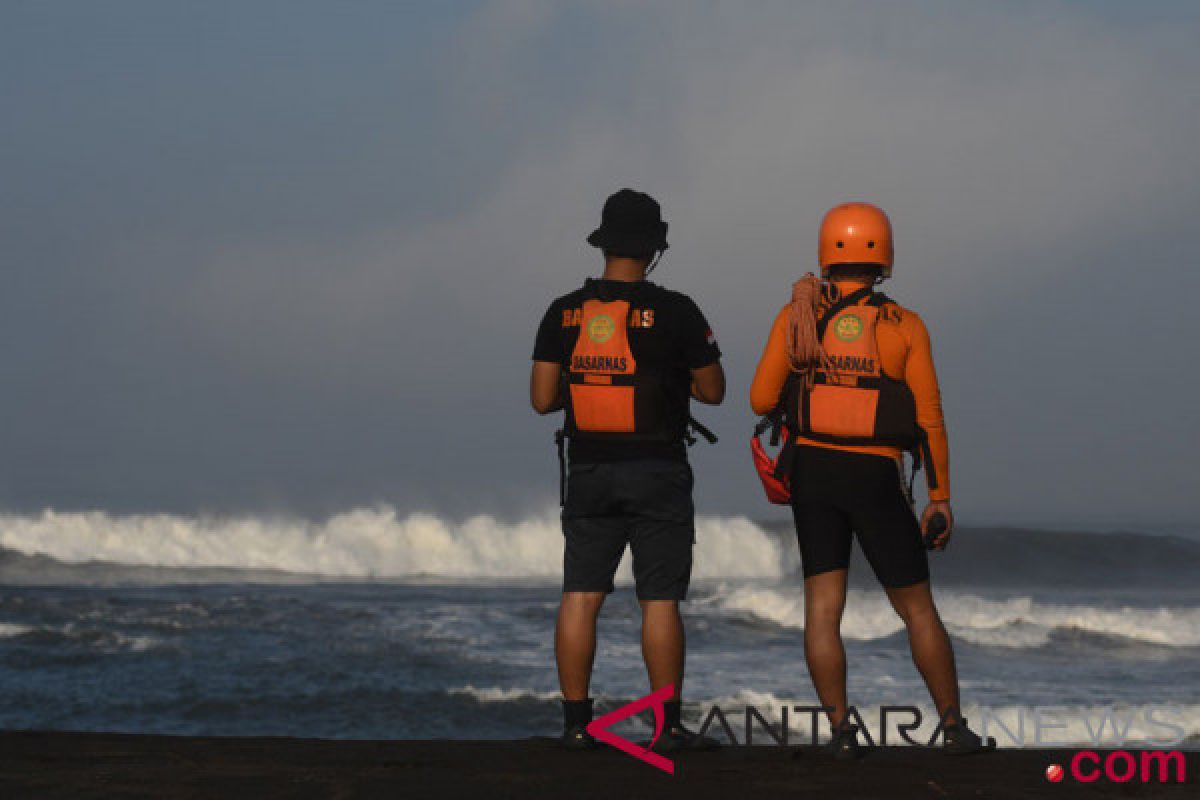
(936, 507)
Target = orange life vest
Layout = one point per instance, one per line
(854, 401)
(608, 394)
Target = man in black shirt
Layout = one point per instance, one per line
(623, 358)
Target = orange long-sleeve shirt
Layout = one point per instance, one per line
(906, 355)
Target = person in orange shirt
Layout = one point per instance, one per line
(853, 373)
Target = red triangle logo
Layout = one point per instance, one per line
(599, 728)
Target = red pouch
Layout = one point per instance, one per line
(777, 489)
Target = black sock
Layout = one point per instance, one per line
(576, 712)
(672, 712)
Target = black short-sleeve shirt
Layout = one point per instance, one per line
(672, 335)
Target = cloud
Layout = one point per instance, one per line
(1038, 165)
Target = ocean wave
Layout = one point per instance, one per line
(8, 630)
(366, 543)
(91, 638)
(1018, 622)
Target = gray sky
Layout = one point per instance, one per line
(284, 256)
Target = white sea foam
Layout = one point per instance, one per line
(1018, 622)
(8, 629)
(362, 543)
(136, 644)
(500, 694)
(110, 641)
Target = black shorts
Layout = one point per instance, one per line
(646, 504)
(836, 494)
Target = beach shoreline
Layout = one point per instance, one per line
(47, 764)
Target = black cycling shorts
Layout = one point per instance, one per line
(836, 494)
(646, 504)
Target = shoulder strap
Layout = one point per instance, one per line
(838, 307)
(694, 425)
(560, 438)
(635, 289)
(880, 299)
(591, 287)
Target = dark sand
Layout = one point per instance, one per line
(79, 765)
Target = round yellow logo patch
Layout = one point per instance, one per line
(601, 328)
(848, 328)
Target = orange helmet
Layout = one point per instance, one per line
(855, 233)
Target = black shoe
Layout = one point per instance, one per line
(576, 737)
(959, 740)
(673, 740)
(844, 745)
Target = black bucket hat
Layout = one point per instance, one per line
(631, 224)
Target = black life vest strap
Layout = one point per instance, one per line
(926, 457)
(922, 456)
(783, 464)
(608, 379)
(771, 421)
(779, 417)
(560, 442)
(633, 289)
(860, 381)
(694, 425)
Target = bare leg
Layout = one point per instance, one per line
(824, 601)
(575, 641)
(663, 644)
(930, 644)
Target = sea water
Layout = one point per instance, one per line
(378, 625)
